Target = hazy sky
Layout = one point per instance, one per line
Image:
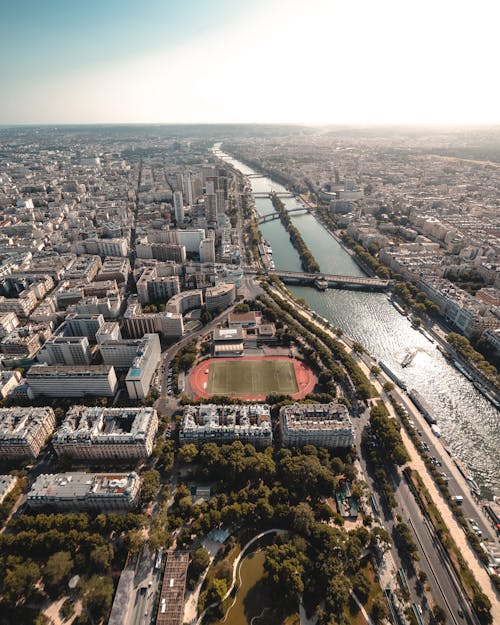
(312, 61)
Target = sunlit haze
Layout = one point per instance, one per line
(320, 61)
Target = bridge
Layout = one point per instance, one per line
(255, 176)
(269, 194)
(272, 216)
(333, 281)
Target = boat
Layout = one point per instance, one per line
(408, 358)
(392, 375)
(422, 405)
(462, 370)
(321, 285)
(399, 308)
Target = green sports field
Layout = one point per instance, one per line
(252, 377)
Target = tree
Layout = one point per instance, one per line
(361, 586)
(101, 556)
(439, 614)
(357, 348)
(57, 569)
(97, 595)
(388, 387)
(187, 453)
(374, 370)
(199, 562)
(150, 485)
(379, 611)
(19, 581)
(216, 590)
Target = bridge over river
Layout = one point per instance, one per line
(272, 216)
(325, 280)
(271, 193)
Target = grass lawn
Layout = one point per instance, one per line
(252, 377)
(355, 615)
(255, 598)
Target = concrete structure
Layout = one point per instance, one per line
(79, 324)
(114, 269)
(220, 297)
(137, 323)
(21, 343)
(323, 425)
(143, 367)
(103, 247)
(228, 341)
(207, 250)
(106, 433)
(24, 431)
(171, 606)
(178, 207)
(66, 350)
(210, 422)
(151, 287)
(191, 239)
(101, 492)
(187, 300)
(7, 484)
(109, 331)
(64, 381)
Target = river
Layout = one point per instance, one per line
(470, 424)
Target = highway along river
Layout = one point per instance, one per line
(469, 423)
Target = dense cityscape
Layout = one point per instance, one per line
(187, 436)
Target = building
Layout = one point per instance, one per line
(143, 367)
(220, 297)
(24, 431)
(207, 250)
(21, 343)
(153, 288)
(191, 239)
(9, 380)
(106, 433)
(137, 323)
(184, 301)
(101, 492)
(323, 425)
(210, 422)
(250, 319)
(8, 323)
(109, 331)
(178, 207)
(115, 269)
(171, 606)
(104, 247)
(66, 350)
(80, 324)
(228, 341)
(66, 381)
(7, 484)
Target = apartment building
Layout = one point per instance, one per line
(99, 492)
(323, 425)
(106, 433)
(24, 431)
(66, 350)
(151, 287)
(211, 422)
(137, 323)
(184, 301)
(220, 297)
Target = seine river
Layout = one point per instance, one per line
(470, 424)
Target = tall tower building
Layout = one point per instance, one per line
(178, 207)
(207, 250)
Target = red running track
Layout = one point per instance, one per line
(306, 379)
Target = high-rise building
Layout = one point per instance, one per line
(66, 350)
(178, 207)
(65, 381)
(207, 250)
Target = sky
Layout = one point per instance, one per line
(252, 61)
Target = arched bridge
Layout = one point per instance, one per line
(271, 216)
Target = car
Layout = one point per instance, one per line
(478, 532)
(472, 521)
(425, 446)
(419, 432)
(444, 476)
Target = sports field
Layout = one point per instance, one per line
(252, 377)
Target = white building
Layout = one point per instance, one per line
(184, 301)
(64, 381)
(207, 250)
(178, 207)
(66, 350)
(106, 433)
(323, 425)
(143, 367)
(100, 492)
